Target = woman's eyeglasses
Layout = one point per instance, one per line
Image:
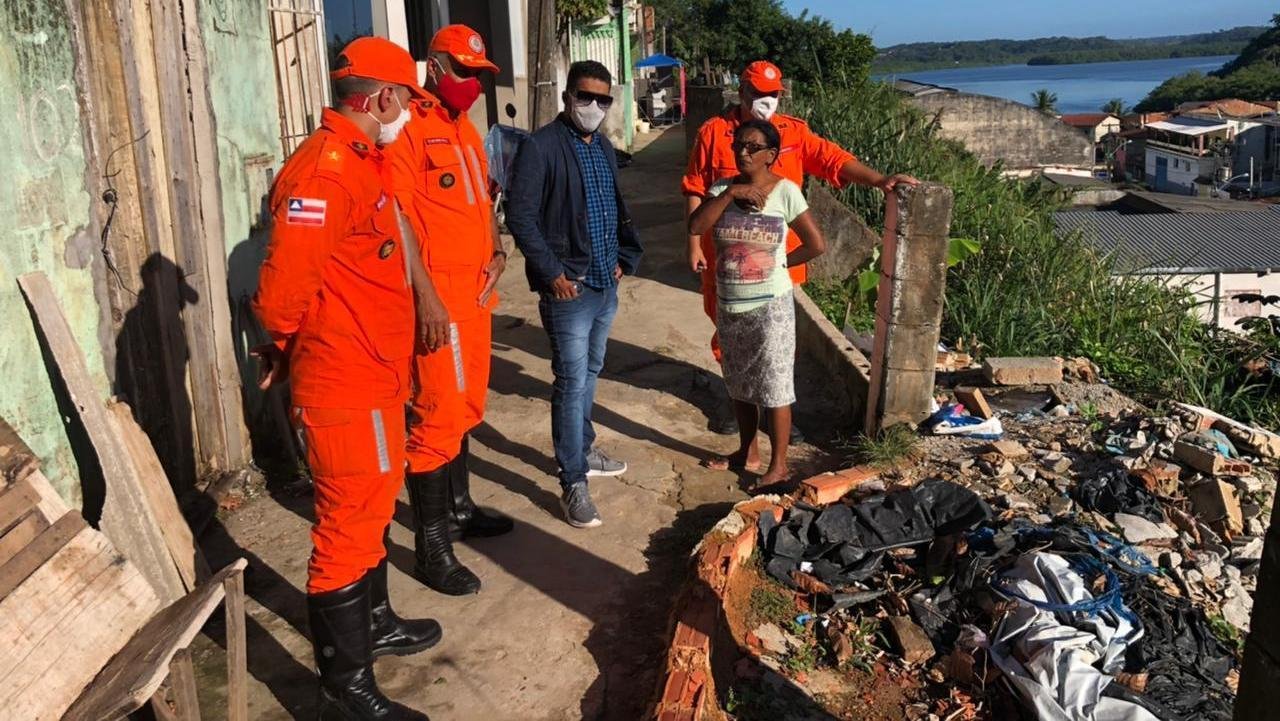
(751, 148)
(582, 99)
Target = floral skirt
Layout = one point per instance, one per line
(758, 352)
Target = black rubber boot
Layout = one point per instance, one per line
(466, 519)
(340, 636)
(434, 562)
(390, 633)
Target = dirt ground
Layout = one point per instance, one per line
(571, 624)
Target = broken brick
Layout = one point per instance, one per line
(1023, 371)
(1210, 462)
(1011, 450)
(973, 400)
(1215, 503)
(1160, 477)
(910, 640)
(831, 487)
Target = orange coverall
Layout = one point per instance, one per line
(439, 174)
(334, 295)
(803, 153)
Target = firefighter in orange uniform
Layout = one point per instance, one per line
(440, 178)
(803, 153)
(334, 294)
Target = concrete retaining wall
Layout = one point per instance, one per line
(999, 130)
(848, 370)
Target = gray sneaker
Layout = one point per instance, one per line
(598, 464)
(578, 508)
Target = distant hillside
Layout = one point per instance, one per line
(1254, 75)
(1060, 50)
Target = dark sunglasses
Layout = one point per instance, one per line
(751, 148)
(582, 99)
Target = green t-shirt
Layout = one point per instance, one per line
(751, 247)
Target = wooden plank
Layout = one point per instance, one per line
(17, 460)
(134, 674)
(16, 502)
(237, 651)
(127, 518)
(160, 707)
(52, 507)
(21, 535)
(183, 675)
(159, 494)
(26, 561)
(65, 622)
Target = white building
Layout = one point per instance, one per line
(1184, 154)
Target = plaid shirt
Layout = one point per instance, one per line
(602, 212)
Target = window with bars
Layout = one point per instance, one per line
(302, 76)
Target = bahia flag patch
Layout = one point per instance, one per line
(305, 211)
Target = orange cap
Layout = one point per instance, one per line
(378, 59)
(462, 44)
(764, 76)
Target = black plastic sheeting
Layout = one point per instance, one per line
(1116, 492)
(847, 544)
(1186, 664)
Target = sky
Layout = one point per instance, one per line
(890, 22)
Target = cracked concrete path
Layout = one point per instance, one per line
(571, 624)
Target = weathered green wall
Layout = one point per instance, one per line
(46, 214)
(242, 88)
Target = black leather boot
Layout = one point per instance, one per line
(434, 562)
(466, 519)
(340, 635)
(390, 633)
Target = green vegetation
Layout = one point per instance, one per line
(1114, 106)
(1254, 75)
(1029, 292)
(729, 34)
(887, 448)
(1060, 50)
(1045, 101)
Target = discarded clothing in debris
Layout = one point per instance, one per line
(1115, 492)
(950, 421)
(847, 544)
(1186, 664)
(1059, 644)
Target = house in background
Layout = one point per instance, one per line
(1096, 125)
(1217, 250)
(1103, 129)
(1187, 155)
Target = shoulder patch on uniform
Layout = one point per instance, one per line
(305, 211)
(331, 158)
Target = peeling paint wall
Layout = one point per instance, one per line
(47, 212)
(242, 88)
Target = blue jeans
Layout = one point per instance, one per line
(579, 331)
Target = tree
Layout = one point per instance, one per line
(1045, 101)
(1114, 106)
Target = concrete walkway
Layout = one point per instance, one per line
(571, 623)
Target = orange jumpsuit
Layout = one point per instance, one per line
(803, 153)
(439, 174)
(334, 295)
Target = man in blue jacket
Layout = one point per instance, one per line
(566, 212)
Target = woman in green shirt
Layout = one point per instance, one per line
(748, 216)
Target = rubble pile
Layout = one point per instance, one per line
(1087, 559)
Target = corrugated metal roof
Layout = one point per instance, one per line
(1183, 242)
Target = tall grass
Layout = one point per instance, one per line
(1028, 291)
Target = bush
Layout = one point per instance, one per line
(1028, 291)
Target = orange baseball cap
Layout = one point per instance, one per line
(378, 59)
(764, 76)
(464, 45)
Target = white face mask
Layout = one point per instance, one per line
(764, 107)
(388, 132)
(588, 117)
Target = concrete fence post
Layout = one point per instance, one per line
(913, 277)
(1259, 695)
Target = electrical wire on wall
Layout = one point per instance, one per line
(111, 197)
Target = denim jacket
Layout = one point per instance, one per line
(546, 208)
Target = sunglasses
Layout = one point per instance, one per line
(751, 148)
(582, 99)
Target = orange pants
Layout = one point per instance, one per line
(450, 387)
(357, 465)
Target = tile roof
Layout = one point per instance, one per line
(1237, 242)
(1229, 107)
(1086, 120)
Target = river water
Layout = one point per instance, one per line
(1082, 88)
